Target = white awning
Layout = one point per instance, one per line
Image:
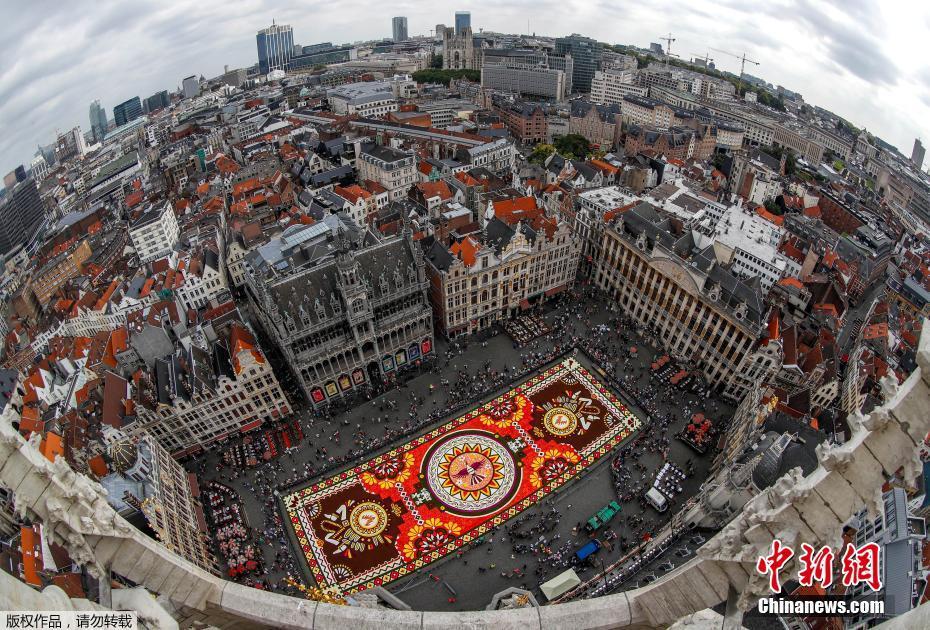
(562, 583)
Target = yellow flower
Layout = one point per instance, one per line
(430, 536)
(385, 482)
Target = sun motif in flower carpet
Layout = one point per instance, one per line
(470, 472)
(389, 471)
(354, 527)
(551, 465)
(505, 411)
(432, 535)
(568, 413)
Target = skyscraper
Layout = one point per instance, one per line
(586, 59)
(462, 21)
(23, 215)
(159, 100)
(399, 29)
(917, 155)
(190, 86)
(127, 111)
(275, 47)
(98, 120)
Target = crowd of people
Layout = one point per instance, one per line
(333, 441)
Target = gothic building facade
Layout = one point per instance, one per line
(351, 322)
(458, 50)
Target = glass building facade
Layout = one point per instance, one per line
(462, 21)
(98, 120)
(586, 59)
(275, 48)
(399, 29)
(127, 111)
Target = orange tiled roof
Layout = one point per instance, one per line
(511, 211)
(466, 250)
(246, 186)
(435, 189)
(352, 193)
(790, 281)
(32, 554)
(611, 214)
(467, 179)
(241, 341)
(98, 466)
(768, 216)
(813, 211)
(133, 199)
(604, 166)
(52, 446)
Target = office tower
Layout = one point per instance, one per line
(127, 111)
(98, 121)
(70, 144)
(462, 21)
(190, 86)
(917, 155)
(586, 59)
(275, 47)
(440, 31)
(157, 101)
(23, 214)
(39, 167)
(399, 29)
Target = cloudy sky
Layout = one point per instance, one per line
(864, 60)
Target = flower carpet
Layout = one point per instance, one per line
(433, 495)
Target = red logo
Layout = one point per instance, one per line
(772, 564)
(815, 567)
(861, 565)
(857, 565)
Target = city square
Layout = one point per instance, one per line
(419, 502)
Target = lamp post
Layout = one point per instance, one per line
(603, 573)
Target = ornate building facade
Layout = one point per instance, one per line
(351, 322)
(705, 315)
(458, 50)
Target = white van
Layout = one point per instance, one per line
(656, 499)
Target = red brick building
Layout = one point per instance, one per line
(526, 121)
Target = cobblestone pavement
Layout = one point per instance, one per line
(468, 581)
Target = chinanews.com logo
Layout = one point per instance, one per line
(857, 565)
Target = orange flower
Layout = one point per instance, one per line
(432, 535)
(550, 465)
(389, 472)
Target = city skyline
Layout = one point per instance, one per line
(854, 60)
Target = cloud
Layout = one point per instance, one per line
(845, 55)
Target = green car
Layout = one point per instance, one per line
(603, 516)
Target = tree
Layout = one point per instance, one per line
(541, 152)
(790, 161)
(432, 75)
(574, 144)
(437, 62)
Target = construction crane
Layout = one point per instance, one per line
(742, 67)
(668, 47)
(706, 58)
